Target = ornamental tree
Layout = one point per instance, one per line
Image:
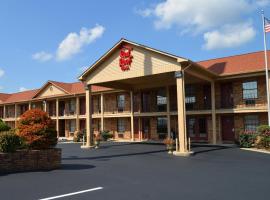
(37, 129)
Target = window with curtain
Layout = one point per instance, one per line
(121, 102)
(250, 90)
(251, 122)
(121, 125)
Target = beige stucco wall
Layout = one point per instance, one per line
(145, 62)
(51, 90)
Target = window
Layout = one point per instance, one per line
(121, 125)
(191, 127)
(250, 90)
(72, 106)
(72, 126)
(190, 97)
(251, 122)
(162, 127)
(161, 100)
(121, 102)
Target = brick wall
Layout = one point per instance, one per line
(110, 102)
(110, 124)
(238, 92)
(239, 122)
(29, 160)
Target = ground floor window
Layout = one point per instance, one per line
(72, 126)
(197, 128)
(162, 127)
(121, 125)
(251, 122)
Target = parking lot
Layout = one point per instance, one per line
(144, 171)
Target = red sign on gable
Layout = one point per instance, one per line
(125, 59)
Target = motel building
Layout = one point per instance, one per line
(142, 94)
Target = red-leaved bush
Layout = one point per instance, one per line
(37, 129)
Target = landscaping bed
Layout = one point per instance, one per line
(30, 160)
(30, 146)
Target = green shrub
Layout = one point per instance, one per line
(263, 138)
(263, 129)
(3, 126)
(247, 139)
(9, 142)
(106, 135)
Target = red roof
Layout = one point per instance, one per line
(238, 64)
(20, 96)
(70, 88)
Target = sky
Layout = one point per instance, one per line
(58, 39)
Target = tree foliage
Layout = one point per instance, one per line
(37, 129)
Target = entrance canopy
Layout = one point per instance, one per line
(144, 65)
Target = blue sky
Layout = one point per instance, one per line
(56, 39)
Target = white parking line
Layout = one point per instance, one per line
(73, 193)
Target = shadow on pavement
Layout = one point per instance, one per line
(113, 156)
(76, 166)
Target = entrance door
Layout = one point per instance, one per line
(62, 128)
(227, 128)
(226, 90)
(197, 128)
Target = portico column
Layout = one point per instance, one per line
(89, 133)
(57, 117)
(102, 111)
(29, 106)
(4, 116)
(168, 111)
(131, 116)
(16, 114)
(213, 107)
(77, 114)
(181, 111)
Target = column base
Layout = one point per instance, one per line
(87, 147)
(184, 154)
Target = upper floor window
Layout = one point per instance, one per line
(72, 106)
(161, 100)
(250, 90)
(190, 98)
(251, 122)
(121, 102)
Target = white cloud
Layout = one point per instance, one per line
(229, 36)
(21, 89)
(42, 56)
(1, 87)
(74, 42)
(2, 72)
(207, 17)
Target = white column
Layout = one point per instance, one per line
(181, 110)
(213, 107)
(102, 111)
(57, 117)
(168, 112)
(89, 133)
(77, 113)
(131, 116)
(4, 116)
